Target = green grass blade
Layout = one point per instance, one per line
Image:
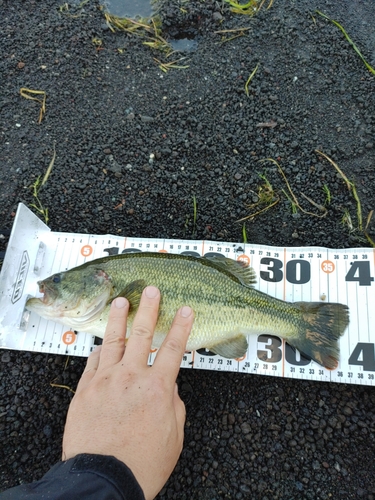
(249, 80)
(49, 169)
(244, 234)
(368, 66)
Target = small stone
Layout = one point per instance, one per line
(347, 411)
(299, 486)
(147, 119)
(245, 489)
(245, 428)
(5, 358)
(47, 430)
(274, 427)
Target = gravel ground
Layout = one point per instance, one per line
(107, 111)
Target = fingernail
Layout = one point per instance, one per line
(97, 348)
(151, 292)
(186, 311)
(120, 302)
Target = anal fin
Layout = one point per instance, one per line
(231, 348)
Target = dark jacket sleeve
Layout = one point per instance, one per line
(85, 477)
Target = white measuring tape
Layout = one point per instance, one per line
(291, 274)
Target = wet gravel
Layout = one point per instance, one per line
(133, 146)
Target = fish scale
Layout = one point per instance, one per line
(227, 308)
(222, 306)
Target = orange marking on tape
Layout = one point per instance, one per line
(241, 359)
(69, 337)
(86, 250)
(327, 266)
(244, 259)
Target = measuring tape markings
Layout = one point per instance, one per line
(301, 276)
(357, 359)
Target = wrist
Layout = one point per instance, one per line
(110, 469)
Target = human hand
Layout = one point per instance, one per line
(125, 408)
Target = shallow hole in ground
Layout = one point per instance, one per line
(183, 39)
(129, 8)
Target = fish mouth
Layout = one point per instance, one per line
(48, 293)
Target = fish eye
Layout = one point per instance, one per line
(56, 278)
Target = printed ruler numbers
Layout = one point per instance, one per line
(354, 285)
(205, 359)
(292, 274)
(265, 355)
(187, 359)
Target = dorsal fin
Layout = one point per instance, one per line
(246, 275)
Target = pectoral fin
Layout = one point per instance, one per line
(133, 292)
(231, 348)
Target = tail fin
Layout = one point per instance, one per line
(322, 326)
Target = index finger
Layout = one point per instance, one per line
(169, 357)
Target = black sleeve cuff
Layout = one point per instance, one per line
(83, 477)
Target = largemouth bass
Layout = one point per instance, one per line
(220, 291)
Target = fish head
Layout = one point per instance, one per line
(79, 293)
